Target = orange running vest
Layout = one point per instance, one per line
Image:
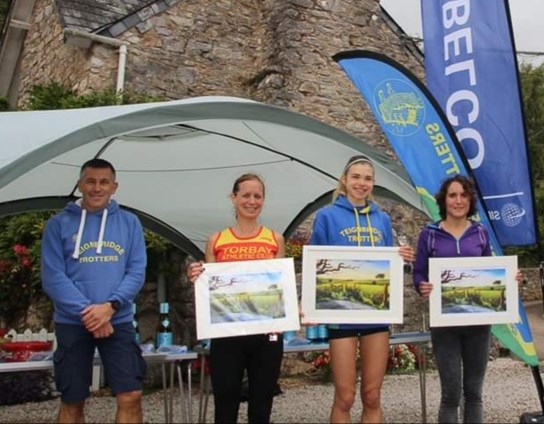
(229, 247)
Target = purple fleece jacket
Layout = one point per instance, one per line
(434, 242)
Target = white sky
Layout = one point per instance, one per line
(527, 21)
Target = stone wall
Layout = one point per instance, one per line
(46, 58)
(532, 290)
(275, 51)
(298, 70)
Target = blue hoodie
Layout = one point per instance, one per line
(91, 258)
(342, 224)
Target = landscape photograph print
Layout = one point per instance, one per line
(473, 291)
(352, 284)
(246, 297)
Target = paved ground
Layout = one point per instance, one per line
(508, 392)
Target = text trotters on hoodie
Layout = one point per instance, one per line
(342, 224)
(90, 258)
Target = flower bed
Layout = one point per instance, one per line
(403, 358)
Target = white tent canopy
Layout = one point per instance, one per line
(176, 162)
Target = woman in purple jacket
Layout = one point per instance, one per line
(461, 352)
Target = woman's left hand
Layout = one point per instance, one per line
(520, 278)
(407, 253)
(301, 317)
(194, 270)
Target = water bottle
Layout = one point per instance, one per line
(311, 333)
(164, 329)
(322, 333)
(289, 335)
(135, 324)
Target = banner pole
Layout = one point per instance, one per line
(539, 385)
(542, 282)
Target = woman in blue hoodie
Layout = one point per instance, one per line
(461, 353)
(355, 220)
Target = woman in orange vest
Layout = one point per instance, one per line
(260, 354)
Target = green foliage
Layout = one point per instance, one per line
(56, 96)
(51, 96)
(156, 243)
(158, 253)
(4, 9)
(20, 244)
(532, 86)
(4, 104)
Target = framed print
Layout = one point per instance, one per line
(352, 285)
(246, 297)
(473, 291)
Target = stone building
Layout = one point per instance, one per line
(274, 51)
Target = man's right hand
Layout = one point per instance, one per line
(104, 331)
(95, 316)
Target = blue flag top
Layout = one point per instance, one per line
(471, 71)
(426, 145)
(413, 123)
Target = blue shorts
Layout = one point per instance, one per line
(121, 358)
(341, 333)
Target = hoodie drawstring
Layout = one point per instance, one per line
(101, 233)
(82, 220)
(365, 210)
(75, 255)
(358, 226)
(370, 229)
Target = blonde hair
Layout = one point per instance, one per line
(354, 160)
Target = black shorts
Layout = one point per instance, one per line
(342, 333)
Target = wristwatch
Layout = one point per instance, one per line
(115, 305)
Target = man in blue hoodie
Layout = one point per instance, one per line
(93, 266)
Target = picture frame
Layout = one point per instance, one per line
(473, 291)
(246, 297)
(352, 285)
